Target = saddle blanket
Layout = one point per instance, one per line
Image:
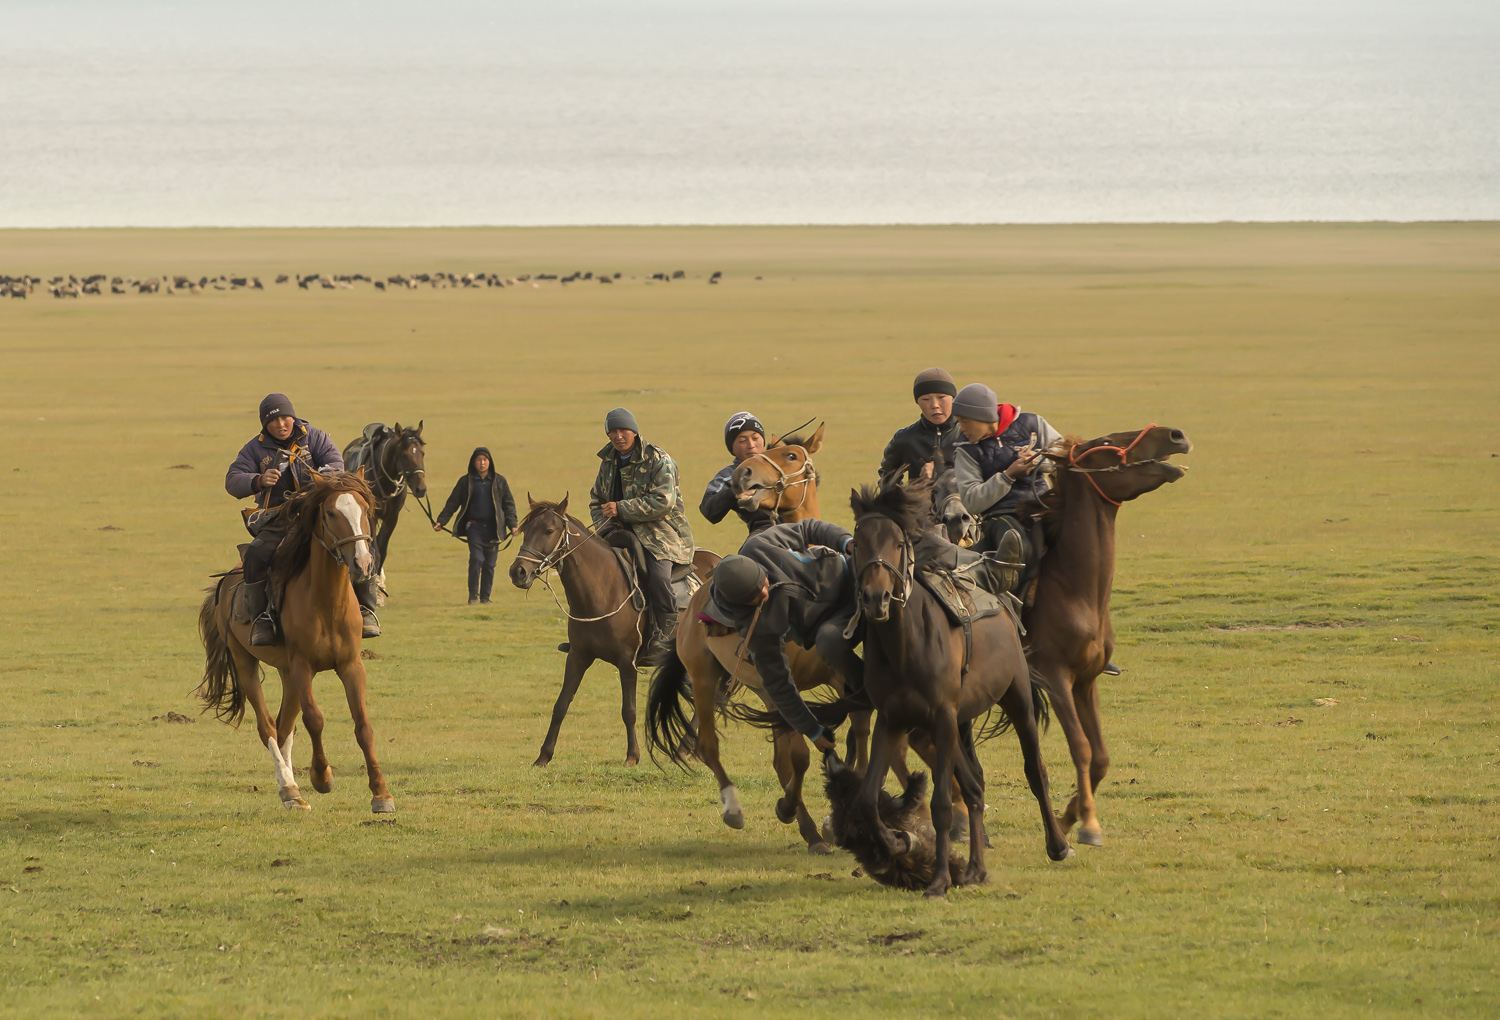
(963, 600)
(684, 582)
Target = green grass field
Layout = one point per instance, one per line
(1267, 855)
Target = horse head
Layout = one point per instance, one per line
(885, 522)
(409, 458)
(339, 515)
(781, 479)
(544, 534)
(1125, 465)
(961, 527)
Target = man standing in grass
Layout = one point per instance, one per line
(486, 516)
(745, 436)
(637, 491)
(924, 449)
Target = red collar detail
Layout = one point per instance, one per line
(1008, 414)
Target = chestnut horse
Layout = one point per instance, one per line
(781, 481)
(1071, 636)
(606, 625)
(327, 546)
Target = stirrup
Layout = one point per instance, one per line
(263, 631)
(371, 623)
(1110, 669)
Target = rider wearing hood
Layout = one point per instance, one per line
(745, 437)
(486, 516)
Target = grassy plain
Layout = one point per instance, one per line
(1267, 856)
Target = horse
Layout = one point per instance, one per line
(394, 460)
(327, 546)
(608, 626)
(1068, 623)
(784, 482)
(961, 526)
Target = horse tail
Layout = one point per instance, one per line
(220, 689)
(1041, 710)
(828, 713)
(667, 723)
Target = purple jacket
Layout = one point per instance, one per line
(315, 452)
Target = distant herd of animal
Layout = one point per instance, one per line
(100, 283)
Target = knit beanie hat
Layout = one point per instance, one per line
(977, 402)
(933, 380)
(741, 421)
(276, 405)
(620, 418)
(738, 579)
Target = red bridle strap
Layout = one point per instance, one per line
(1123, 451)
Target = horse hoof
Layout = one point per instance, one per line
(785, 813)
(1068, 851)
(936, 894)
(1090, 837)
(632, 761)
(323, 784)
(541, 761)
(734, 819)
(383, 805)
(819, 849)
(291, 799)
(826, 830)
(566, 646)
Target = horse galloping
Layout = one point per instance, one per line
(327, 547)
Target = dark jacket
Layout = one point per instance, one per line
(811, 583)
(718, 500)
(462, 495)
(919, 444)
(309, 449)
(982, 483)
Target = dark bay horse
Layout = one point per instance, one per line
(603, 622)
(914, 673)
(394, 460)
(1070, 633)
(328, 545)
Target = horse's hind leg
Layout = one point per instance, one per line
(945, 736)
(705, 678)
(1017, 704)
(791, 759)
(968, 775)
(628, 676)
(321, 772)
(576, 665)
(1086, 698)
(920, 741)
(292, 686)
(352, 673)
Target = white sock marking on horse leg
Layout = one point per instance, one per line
(286, 751)
(283, 770)
(346, 505)
(729, 801)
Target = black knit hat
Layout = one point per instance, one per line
(738, 579)
(276, 405)
(933, 380)
(741, 421)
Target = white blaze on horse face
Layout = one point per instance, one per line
(349, 507)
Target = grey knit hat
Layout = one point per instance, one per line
(738, 579)
(977, 402)
(276, 405)
(620, 418)
(933, 380)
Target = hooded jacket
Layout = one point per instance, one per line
(308, 449)
(463, 494)
(919, 444)
(648, 499)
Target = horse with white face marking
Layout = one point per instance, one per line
(327, 547)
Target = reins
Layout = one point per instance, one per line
(1123, 451)
(806, 473)
(561, 552)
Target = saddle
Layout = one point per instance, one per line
(632, 556)
(357, 453)
(966, 584)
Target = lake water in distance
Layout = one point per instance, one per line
(130, 113)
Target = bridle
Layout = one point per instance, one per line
(952, 498)
(903, 572)
(402, 481)
(560, 552)
(1123, 451)
(339, 543)
(804, 474)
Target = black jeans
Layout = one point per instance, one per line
(262, 550)
(483, 552)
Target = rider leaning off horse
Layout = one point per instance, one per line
(924, 449)
(637, 491)
(792, 582)
(276, 463)
(745, 437)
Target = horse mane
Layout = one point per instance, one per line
(541, 506)
(301, 514)
(908, 506)
(1048, 509)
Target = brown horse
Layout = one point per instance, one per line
(606, 625)
(781, 481)
(915, 675)
(327, 546)
(1071, 636)
(395, 464)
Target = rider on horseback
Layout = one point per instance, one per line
(276, 463)
(1000, 465)
(925, 448)
(745, 436)
(637, 491)
(792, 582)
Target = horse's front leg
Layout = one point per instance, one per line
(296, 677)
(628, 677)
(352, 673)
(1081, 808)
(577, 664)
(867, 805)
(320, 772)
(945, 736)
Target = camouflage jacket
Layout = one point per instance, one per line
(650, 502)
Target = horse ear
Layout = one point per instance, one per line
(775, 442)
(814, 444)
(529, 500)
(419, 425)
(359, 472)
(396, 428)
(563, 506)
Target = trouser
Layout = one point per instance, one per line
(258, 556)
(838, 651)
(659, 598)
(484, 551)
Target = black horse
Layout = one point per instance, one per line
(393, 460)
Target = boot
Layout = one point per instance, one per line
(365, 592)
(250, 603)
(1012, 554)
(659, 646)
(263, 630)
